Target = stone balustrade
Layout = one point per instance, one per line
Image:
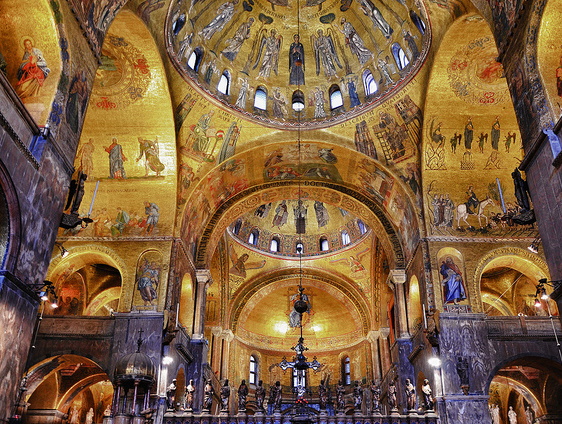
(521, 327)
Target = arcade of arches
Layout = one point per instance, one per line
(176, 174)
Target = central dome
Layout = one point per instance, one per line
(291, 64)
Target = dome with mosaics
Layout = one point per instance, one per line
(298, 64)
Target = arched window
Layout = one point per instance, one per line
(345, 239)
(253, 379)
(260, 98)
(418, 22)
(324, 245)
(274, 245)
(224, 83)
(253, 237)
(346, 371)
(336, 98)
(195, 59)
(178, 24)
(237, 226)
(362, 227)
(369, 83)
(298, 101)
(400, 56)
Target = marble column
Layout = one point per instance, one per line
(386, 360)
(204, 281)
(228, 336)
(396, 280)
(373, 338)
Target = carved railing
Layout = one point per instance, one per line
(522, 327)
(414, 418)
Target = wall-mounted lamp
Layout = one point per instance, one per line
(542, 294)
(534, 246)
(63, 252)
(46, 292)
(434, 361)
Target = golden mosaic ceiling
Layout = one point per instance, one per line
(301, 59)
(331, 321)
(279, 221)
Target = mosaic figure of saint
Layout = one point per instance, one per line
(495, 134)
(202, 131)
(32, 71)
(319, 102)
(240, 264)
(322, 215)
(370, 10)
(296, 62)
(235, 43)
(149, 150)
(223, 16)
(148, 280)
(86, 157)
(152, 212)
(243, 93)
(116, 159)
(279, 108)
(281, 215)
(452, 281)
(355, 42)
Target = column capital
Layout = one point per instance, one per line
(396, 276)
(216, 331)
(373, 336)
(222, 333)
(385, 332)
(228, 335)
(203, 276)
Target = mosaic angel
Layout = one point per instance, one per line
(268, 53)
(325, 53)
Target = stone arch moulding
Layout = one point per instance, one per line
(515, 252)
(538, 358)
(13, 218)
(41, 370)
(95, 252)
(352, 200)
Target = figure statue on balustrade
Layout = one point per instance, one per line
(427, 395)
(340, 397)
(242, 396)
(208, 398)
(225, 396)
(260, 395)
(323, 395)
(171, 394)
(375, 398)
(392, 400)
(410, 395)
(357, 397)
(495, 413)
(189, 395)
(275, 396)
(529, 415)
(512, 415)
